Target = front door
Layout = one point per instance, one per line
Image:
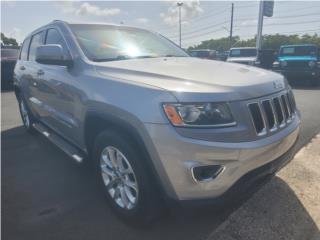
(58, 91)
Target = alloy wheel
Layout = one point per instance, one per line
(119, 178)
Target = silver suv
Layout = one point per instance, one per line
(155, 123)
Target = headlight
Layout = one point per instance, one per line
(284, 63)
(318, 63)
(199, 115)
(275, 64)
(257, 63)
(312, 64)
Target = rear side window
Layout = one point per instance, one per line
(24, 50)
(54, 37)
(36, 41)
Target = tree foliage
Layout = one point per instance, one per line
(269, 42)
(8, 41)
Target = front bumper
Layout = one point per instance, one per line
(299, 72)
(178, 155)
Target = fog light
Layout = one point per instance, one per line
(206, 173)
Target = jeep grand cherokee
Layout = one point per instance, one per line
(155, 123)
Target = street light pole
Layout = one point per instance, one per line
(179, 4)
(260, 24)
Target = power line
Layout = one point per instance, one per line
(202, 29)
(196, 19)
(283, 17)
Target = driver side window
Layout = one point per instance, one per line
(54, 37)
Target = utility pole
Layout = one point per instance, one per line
(179, 4)
(260, 24)
(231, 25)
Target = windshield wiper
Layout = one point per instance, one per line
(170, 55)
(121, 57)
(117, 58)
(146, 56)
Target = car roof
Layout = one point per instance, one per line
(243, 48)
(298, 45)
(199, 50)
(65, 23)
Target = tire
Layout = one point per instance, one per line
(26, 116)
(125, 180)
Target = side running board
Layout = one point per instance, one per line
(59, 142)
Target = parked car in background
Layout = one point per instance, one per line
(222, 56)
(154, 123)
(299, 61)
(244, 55)
(9, 57)
(203, 53)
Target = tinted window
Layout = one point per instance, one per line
(24, 50)
(54, 37)
(201, 54)
(244, 52)
(110, 43)
(9, 53)
(36, 41)
(299, 51)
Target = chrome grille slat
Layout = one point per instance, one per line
(257, 118)
(279, 111)
(285, 107)
(268, 115)
(283, 111)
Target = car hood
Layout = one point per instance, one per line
(297, 58)
(241, 59)
(188, 78)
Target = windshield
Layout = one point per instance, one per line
(13, 53)
(299, 51)
(251, 52)
(111, 43)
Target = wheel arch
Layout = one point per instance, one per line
(96, 122)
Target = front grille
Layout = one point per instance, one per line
(271, 114)
(298, 64)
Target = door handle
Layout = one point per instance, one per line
(22, 68)
(40, 72)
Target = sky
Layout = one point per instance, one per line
(201, 20)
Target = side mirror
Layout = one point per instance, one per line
(52, 54)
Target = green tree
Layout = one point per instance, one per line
(269, 42)
(8, 41)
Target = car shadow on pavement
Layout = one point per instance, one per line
(45, 195)
(274, 212)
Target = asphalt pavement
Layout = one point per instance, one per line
(46, 195)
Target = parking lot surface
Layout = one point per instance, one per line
(45, 195)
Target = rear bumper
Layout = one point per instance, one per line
(177, 155)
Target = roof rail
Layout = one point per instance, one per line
(57, 20)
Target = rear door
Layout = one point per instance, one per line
(33, 70)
